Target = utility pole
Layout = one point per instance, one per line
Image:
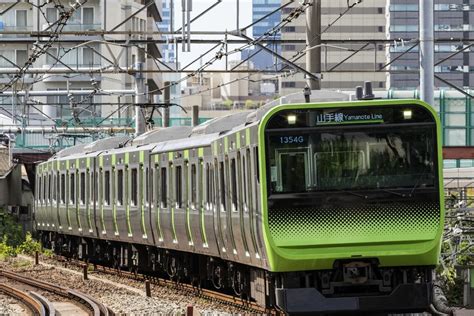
(165, 119)
(313, 39)
(140, 98)
(427, 51)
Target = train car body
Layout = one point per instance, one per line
(313, 208)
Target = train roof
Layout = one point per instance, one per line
(183, 137)
(161, 135)
(222, 124)
(96, 146)
(186, 143)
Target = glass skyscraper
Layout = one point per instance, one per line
(260, 8)
(165, 26)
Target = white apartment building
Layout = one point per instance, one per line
(80, 51)
(366, 21)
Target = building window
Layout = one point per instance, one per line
(51, 15)
(288, 29)
(88, 56)
(288, 84)
(21, 19)
(51, 55)
(455, 137)
(21, 57)
(88, 16)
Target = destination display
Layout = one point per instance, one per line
(302, 118)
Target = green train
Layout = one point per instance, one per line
(312, 208)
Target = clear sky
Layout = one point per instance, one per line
(222, 17)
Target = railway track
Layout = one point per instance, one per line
(213, 296)
(38, 304)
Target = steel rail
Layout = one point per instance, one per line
(36, 307)
(98, 308)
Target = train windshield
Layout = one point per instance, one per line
(351, 158)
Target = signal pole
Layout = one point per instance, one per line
(140, 98)
(313, 39)
(427, 51)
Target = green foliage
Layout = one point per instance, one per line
(452, 285)
(228, 103)
(29, 246)
(11, 232)
(249, 104)
(6, 250)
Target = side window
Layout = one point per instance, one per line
(256, 164)
(164, 188)
(148, 184)
(92, 190)
(244, 181)
(222, 184)
(63, 189)
(233, 179)
(44, 188)
(134, 188)
(249, 173)
(179, 186)
(72, 186)
(193, 185)
(107, 187)
(58, 187)
(50, 191)
(200, 197)
(100, 187)
(40, 183)
(83, 188)
(120, 187)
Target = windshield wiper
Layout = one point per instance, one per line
(353, 193)
(393, 192)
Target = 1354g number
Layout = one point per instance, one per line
(292, 139)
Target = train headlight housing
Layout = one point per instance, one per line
(407, 114)
(291, 119)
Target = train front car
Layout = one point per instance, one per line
(352, 205)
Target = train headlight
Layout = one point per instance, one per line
(291, 119)
(407, 114)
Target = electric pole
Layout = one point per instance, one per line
(313, 43)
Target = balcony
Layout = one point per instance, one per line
(76, 27)
(20, 29)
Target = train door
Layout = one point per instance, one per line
(210, 206)
(156, 219)
(251, 201)
(220, 207)
(237, 233)
(165, 204)
(195, 206)
(242, 209)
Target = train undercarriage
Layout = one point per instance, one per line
(352, 286)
